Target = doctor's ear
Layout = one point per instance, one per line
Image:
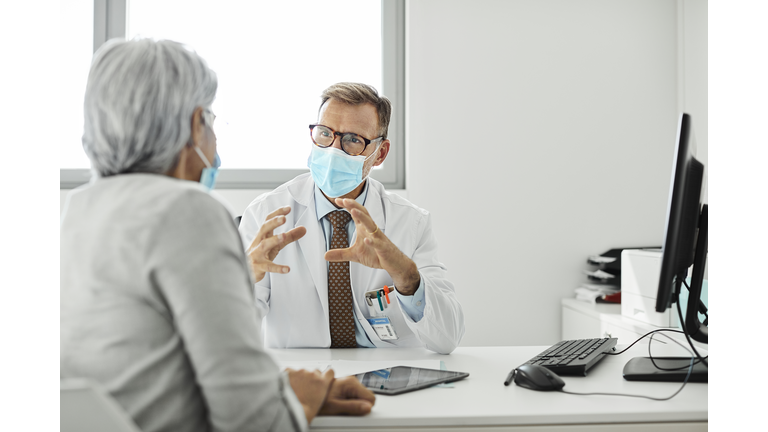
(382, 152)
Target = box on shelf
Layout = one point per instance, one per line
(639, 284)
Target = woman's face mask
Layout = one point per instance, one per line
(210, 172)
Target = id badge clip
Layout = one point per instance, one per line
(378, 302)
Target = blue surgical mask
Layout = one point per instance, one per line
(335, 172)
(208, 177)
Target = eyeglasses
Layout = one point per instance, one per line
(351, 143)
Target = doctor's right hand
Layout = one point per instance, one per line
(266, 245)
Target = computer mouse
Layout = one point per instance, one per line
(537, 377)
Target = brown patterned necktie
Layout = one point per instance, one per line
(340, 315)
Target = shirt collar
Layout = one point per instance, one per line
(323, 206)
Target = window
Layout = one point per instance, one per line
(273, 59)
(76, 52)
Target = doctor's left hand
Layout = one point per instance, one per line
(373, 249)
(266, 245)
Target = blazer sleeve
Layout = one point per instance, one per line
(198, 268)
(250, 223)
(442, 326)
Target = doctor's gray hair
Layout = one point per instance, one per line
(356, 94)
(139, 102)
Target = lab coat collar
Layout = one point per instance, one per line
(302, 191)
(323, 206)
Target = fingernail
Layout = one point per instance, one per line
(285, 270)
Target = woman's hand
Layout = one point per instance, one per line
(311, 389)
(348, 396)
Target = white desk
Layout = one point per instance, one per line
(482, 402)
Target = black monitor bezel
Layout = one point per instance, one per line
(678, 246)
(685, 239)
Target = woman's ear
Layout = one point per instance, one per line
(197, 127)
(180, 171)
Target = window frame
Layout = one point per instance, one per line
(109, 21)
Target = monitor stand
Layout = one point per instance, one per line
(675, 369)
(643, 369)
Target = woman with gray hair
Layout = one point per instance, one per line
(156, 297)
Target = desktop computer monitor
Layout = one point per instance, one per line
(685, 239)
(685, 245)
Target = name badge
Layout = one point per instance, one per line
(383, 328)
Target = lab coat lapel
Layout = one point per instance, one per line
(312, 245)
(360, 275)
(374, 205)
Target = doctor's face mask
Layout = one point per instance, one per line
(345, 146)
(337, 173)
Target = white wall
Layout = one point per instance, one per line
(540, 132)
(693, 72)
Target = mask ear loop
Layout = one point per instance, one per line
(375, 151)
(205, 115)
(202, 156)
(372, 154)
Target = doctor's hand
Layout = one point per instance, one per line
(373, 249)
(348, 396)
(266, 245)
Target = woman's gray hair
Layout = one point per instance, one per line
(139, 102)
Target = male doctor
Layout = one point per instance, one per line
(348, 264)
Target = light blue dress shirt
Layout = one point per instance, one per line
(412, 305)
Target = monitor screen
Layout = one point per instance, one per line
(686, 226)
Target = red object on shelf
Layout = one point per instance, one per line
(612, 298)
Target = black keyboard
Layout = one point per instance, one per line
(574, 357)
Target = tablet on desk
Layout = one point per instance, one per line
(403, 379)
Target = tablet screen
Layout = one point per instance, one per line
(400, 379)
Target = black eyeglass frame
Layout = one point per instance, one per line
(341, 135)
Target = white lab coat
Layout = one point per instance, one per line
(296, 304)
